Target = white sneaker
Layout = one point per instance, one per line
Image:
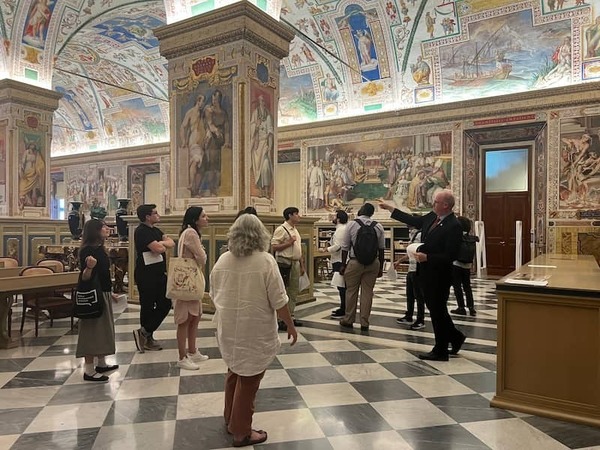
(197, 357)
(187, 363)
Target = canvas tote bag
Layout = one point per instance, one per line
(185, 280)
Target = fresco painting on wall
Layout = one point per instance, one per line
(138, 122)
(32, 169)
(356, 24)
(261, 142)
(36, 27)
(297, 101)
(592, 39)
(136, 182)
(506, 54)
(203, 142)
(101, 183)
(406, 171)
(580, 163)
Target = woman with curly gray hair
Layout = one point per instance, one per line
(249, 295)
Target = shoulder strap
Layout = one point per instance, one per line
(180, 243)
(360, 222)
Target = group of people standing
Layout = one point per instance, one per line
(246, 287)
(251, 298)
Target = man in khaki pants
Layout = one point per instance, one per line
(286, 244)
(358, 275)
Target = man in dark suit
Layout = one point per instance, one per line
(441, 235)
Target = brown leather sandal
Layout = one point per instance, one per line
(249, 441)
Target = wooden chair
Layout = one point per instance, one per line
(56, 265)
(57, 306)
(10, 262)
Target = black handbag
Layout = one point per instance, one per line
(89, 302)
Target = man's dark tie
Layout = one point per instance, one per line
(435, 223)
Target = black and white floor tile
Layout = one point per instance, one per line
(336, 389)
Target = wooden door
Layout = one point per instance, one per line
(506, 198)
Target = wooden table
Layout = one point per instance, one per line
(549, 340)
(14, 285)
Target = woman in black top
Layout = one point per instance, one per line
(96, 336)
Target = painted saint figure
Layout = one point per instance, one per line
(39, 16)
(32, 177)
(192, 135)
(420, 71)
(261, 124)
(217, 138)
(330, 90)
(429, 23)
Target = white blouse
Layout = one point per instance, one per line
(246, 292)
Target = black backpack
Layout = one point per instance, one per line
(467, 249)
(366, 245)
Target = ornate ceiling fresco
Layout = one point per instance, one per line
(349, 57)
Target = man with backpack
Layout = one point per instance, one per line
(362, 264)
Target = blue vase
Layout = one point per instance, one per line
(75, 220)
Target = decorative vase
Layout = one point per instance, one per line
(76, 220)
(121, 224)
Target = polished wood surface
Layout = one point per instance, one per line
(10, 272)
(10, 286)
(549, 341)
(568, 273)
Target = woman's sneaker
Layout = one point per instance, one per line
(187, 364)
(197, 357)
(404, 320)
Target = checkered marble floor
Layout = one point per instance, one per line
(335, 389)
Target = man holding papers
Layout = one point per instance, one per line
(150, 276)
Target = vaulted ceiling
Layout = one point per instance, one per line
(348, 58)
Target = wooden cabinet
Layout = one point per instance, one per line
(548, 344)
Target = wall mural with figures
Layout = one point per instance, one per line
(203, 137)
(100, 184)
(405, 170)
(262, 141)
(579, 169)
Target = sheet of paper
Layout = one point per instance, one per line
(119, 303)
(152, 258)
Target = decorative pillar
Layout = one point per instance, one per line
(224, 90)
(25, 136)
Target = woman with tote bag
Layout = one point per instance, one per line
(96, 336)
(188, 312)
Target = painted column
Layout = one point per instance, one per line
(25, 136)
(224, 90)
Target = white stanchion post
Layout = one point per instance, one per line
(480, 256)
(518, 244)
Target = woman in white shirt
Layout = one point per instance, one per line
(249, 294)
(187, 313)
